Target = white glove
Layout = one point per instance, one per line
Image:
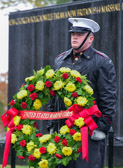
(98, 135)
(51, 130)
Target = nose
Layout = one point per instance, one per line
(74, 35)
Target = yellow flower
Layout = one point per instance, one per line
(39, 85)
(67, 101)
(45, 138)
(37, 104)
(37, 154)
(29, 78)
(16, 120)
(64, 70)
(51, 148)
(75, 73)
(67, 151)
(30, 145)
(64, 129)
(50, 73)
(79, 122)
(21, 94)
(82, 101)
(40, 72)
(70, 87)
(43, 163)
(27, 129)
(77, 136)
(88, 89)
(13, 138)
(58, 85)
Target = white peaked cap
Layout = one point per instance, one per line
(85, 24)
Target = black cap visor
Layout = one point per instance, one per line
(79, 30)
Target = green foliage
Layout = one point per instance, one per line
(62, 89)
(35, 3)
(2, 107)
(63, 82)
(62, 1)
(25, 166)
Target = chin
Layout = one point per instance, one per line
(74, 46)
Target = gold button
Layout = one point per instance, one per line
(80, 53)
(76, 59)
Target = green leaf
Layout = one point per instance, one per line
(66, 160)
(79, 92)
(33, 164)
(75, 155)
(68, 136)
(26, 138)
(26, 121)
(19, 153)
(48, 67)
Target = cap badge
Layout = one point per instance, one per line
(75, 20)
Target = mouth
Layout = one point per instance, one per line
(74, 42)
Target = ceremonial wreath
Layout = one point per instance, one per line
(49, 150)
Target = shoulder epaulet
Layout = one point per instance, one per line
(100, 53)
(61, 54)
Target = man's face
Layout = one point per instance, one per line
(78, 38)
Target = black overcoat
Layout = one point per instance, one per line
(100, 71)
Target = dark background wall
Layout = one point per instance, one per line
(37, 36)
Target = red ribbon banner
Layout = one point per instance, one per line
(41, 115)
(74, 112)
(79, 111)
(7, 120)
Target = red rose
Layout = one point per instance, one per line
(52, 92)
(23, 105)
(39, 135)
(78, 79)
(35, 125)
(21, 157)
(64, 142)
(58, 156)
(76, 108)
(94, 102)
(48, 84)
(12, 102)
(42, 150)
(74, 94)
(22, 143)
(31, 88)
(31, 158)
(23, 85)
(65, 75)
(79, 150)
(19, 127)
(33, 96)
(56, 139)
(72, 132)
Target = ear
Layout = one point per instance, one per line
(91, 39)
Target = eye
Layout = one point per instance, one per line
(72, 34)
(80, 34)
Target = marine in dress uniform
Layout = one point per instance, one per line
(100, 71)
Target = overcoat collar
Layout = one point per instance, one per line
(87, 53)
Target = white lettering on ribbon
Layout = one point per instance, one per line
(40, 115)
